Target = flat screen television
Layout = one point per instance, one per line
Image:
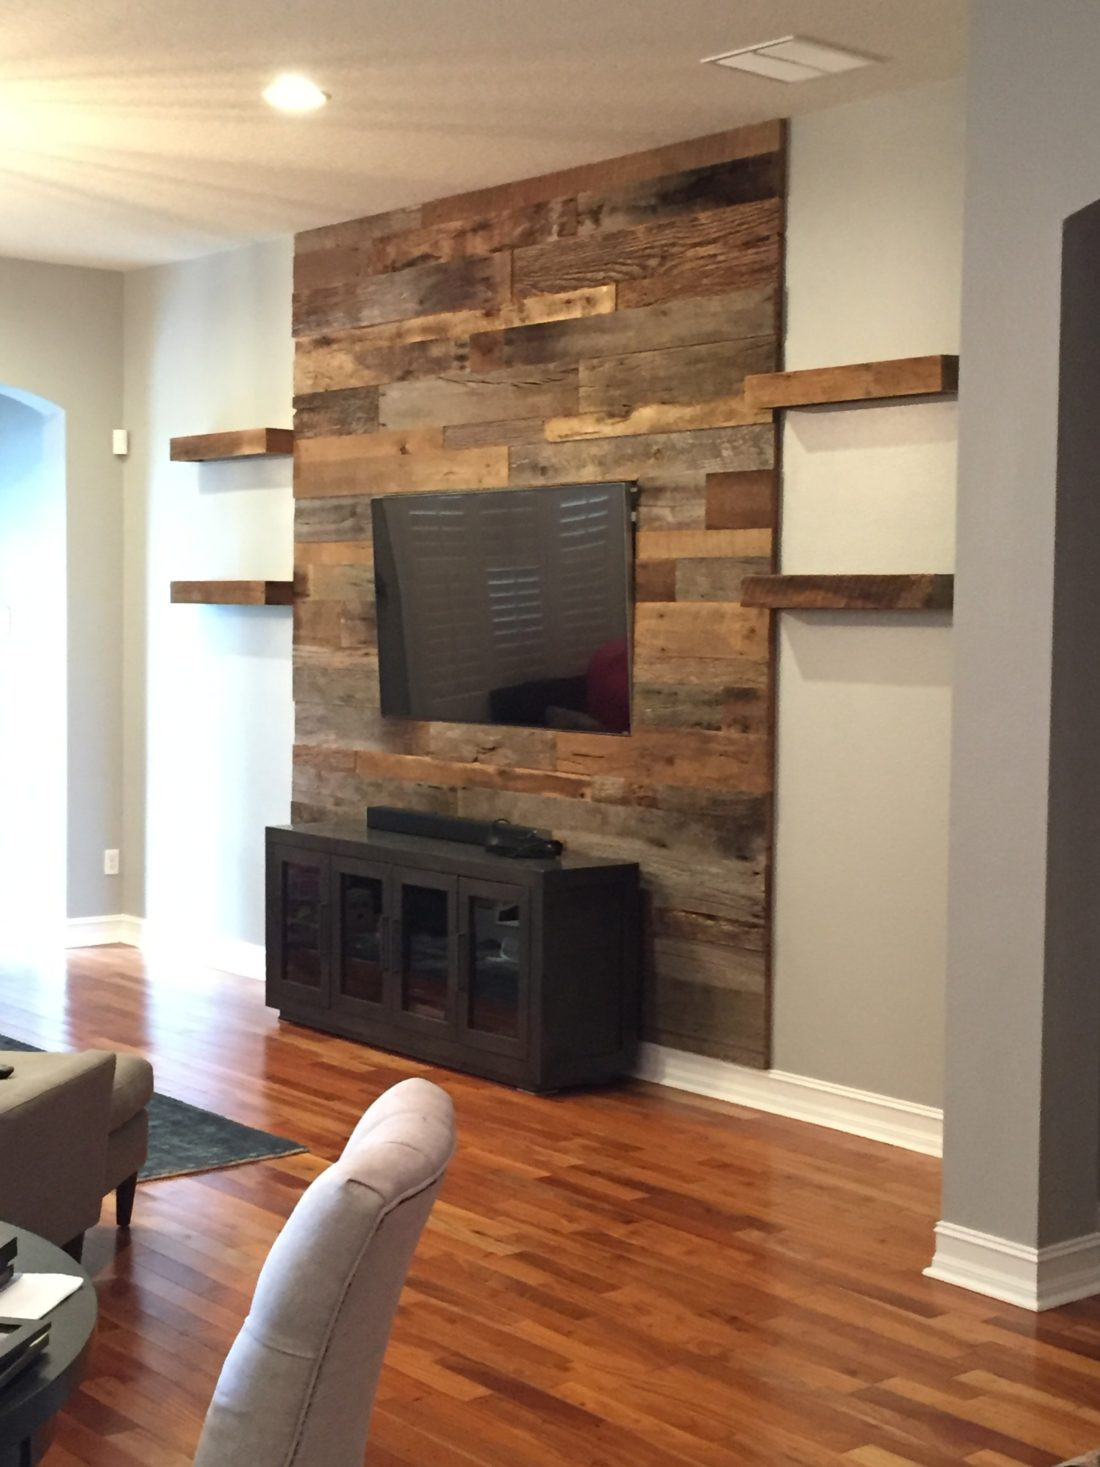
(507, 606)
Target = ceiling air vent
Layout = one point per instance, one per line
(791, 59)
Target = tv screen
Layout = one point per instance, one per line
(506, 606)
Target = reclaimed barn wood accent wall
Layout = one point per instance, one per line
(594, 324)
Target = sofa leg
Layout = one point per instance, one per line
(75, 1247)
(124, 1201)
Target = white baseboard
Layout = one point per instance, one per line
(99, 931)
(247, 959)
(1033, 1278)
(859, 1112)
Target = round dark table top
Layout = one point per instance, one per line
(35, 1396)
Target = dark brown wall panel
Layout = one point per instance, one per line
(593, 324)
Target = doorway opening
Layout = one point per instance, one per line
(33, 674)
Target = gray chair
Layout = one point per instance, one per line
(73, 1127)
(298, 1384)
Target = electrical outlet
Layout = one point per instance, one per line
(110, 863)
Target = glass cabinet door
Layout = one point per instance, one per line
(300, 971)
(425, 948)
(493, 934)
(359, 946)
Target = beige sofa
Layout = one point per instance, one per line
(73, 1127)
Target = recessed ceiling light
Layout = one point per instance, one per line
(293, 93)
(791, 59)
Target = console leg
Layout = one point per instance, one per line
(75, 1247)
(124, 1201)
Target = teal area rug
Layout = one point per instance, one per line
(185, 1138)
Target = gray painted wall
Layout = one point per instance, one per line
(208, 710)
(1021, 1085)
(61, 339)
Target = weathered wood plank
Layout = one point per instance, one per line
(476, 284)
(859, 382)
(717, 579)
(702, 544)
(418, 769)
(689, 375)
(479, 234)
(707, 630)
(741, 142)
(719, 412)
(690, 191)
(348, 410)
(333, 552)
(742, 501)
(422, 469)
(479, 397)
(335, 624)
(458, 325)
(337, 582)
(513, 432)
(680, 505)
(651, 458)
(672, 757)
(346, 359)
(655, 580)
(730, 316)
(700, 254)
(341, 518)
(850, 593)
(241, 443)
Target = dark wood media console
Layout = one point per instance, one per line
(524, 971)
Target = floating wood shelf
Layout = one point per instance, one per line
(861, 382)
(244, 443)
(849, 593)
(233, 593)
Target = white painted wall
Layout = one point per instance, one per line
(873, 272)
(61, 340)
(208, 710)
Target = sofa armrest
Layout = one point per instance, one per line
(54, 1115)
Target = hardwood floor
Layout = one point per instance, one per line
(626, 1278)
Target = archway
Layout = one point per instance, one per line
(33, 673)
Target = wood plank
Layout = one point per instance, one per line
(719, 147)
(682, 191)
(711, 631)
(481, 233)
(479, 397)
(347, 410)
(741, 501)
(343, 517)
(650, 458)
(455, 325)
(718, 412)
(859, 382)
(727, 316)
(402, 473)
(242, 443)
(702, 544)
(700, 254)
(850, 593)
(233, 593)
(655, 580)
(672, 757)
(479, 283)
(717, 579)
(686, 375)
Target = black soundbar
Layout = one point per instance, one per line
(436, 827)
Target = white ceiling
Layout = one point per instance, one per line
(132, 131)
